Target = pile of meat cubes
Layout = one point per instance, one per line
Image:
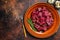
(42, 18)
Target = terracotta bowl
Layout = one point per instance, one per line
(54, 26)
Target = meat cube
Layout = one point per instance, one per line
(44, 8)
(40, 14)
(39, 9)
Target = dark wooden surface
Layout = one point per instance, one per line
(25, 4)
(22, 6)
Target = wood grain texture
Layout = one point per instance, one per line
(22, 6)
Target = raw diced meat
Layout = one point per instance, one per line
(34, 21)
(40, 14)
(44, 8)
(39, 9)
(42, 18)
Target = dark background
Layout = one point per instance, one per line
(21, 6)
(24, 5)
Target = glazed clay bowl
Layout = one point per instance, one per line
(54, 26)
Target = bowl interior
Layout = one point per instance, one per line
(48, 10)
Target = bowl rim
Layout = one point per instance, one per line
(52, 30)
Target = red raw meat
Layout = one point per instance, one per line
(41, 18)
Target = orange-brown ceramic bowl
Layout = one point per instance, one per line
(54, 26)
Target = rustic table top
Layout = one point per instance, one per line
(24, 5)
